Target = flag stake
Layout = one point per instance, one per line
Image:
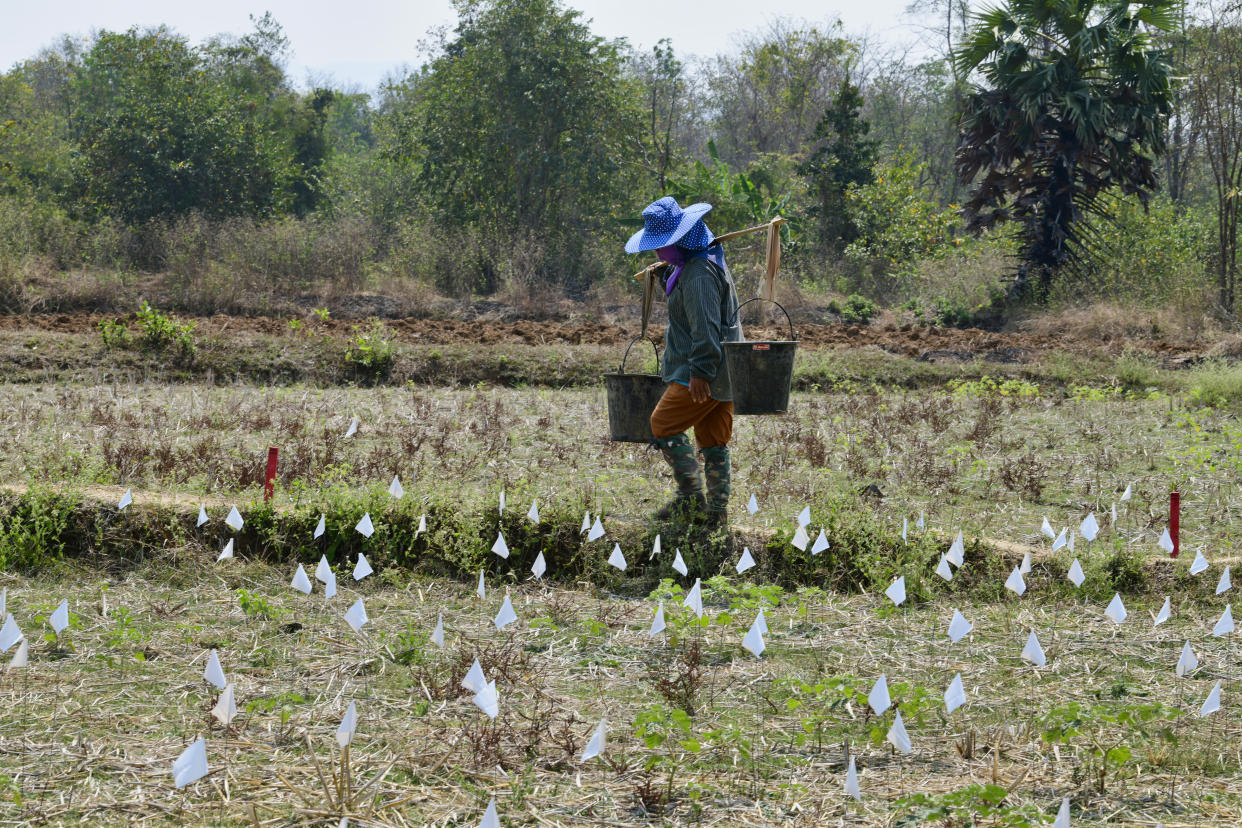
(269, 478)
(1175, 520)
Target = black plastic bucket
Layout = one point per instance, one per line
(631, 399)
(761, 373)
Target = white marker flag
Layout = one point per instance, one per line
(655, 549)
(1025, 566)
(905, 530)
(1223, 627)
(226, 552)
(753, 640)
(1187, 661)
(540, 566)
(1063, 815)
(919, 523)
(320, 527)
(1165, 611)
(329, 589)
(1224, 584)
(356, 616)
(474, 680)
(365, 527)
(745, 562)
(896, 591)
(1089, 528)
(878, 698)
(502, 501)
(60, 618)
(943, 569)
(851, 781)
(752, 505)
(395, 489)
(213, 672)
(1047, 529)
(657, 623)
(481, 591)
(897, 735)
(1116, 610)
(1126, 494)
(22, 657)
(300, 582)
(226, 707)
(1212, 703)
(1034, 653)
(955, 695)
(586, 523)
(488, 700)
(437, 635)
(500, 547)
(349, 724)
(191, 765)
(490, 820)
(422, 525)
(1166, 541)
(1014, 582)
(323, 570)
(821, 543)
(597, 530)
(679, 564)
(362, 568)
(1076, 574)
(10, 633)
(126, 499)
(353, 428)
(234, 520)
(533, 514)
(694, 599)
(804, 517)
(957, 551)
(506, 615)
(596, 746)
(202, 516)
(1059, 542)
(800, 538)
(616, 559)
(959, 627)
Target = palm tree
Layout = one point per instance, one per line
(1070, 100)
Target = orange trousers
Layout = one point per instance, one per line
(712, 420)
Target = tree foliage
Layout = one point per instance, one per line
(845, 157)
(522, 119)
(1071, 103)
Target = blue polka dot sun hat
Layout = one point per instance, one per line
(665, 223)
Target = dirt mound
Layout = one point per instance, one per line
(913, 341)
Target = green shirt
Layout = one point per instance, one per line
(702, 313)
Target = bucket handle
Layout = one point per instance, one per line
(793, 336)
(654, 347)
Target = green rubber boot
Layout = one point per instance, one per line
(717, 472)
(689, 500)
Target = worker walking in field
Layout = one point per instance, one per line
(702, 314)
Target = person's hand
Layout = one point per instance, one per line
(700, 391)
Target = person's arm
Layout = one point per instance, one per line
(702, 304)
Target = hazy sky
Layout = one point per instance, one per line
(363, 40)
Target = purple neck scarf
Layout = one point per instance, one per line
(678, 259)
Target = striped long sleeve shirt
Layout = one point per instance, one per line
(702, 313)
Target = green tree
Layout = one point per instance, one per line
(767, 98)
(1072, 103)
(522, 123)
(159, 135)
(844, 158)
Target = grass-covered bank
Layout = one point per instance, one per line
(41, 530)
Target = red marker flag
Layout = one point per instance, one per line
(269, 479)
